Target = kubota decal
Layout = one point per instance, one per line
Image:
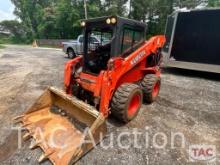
(138, 57)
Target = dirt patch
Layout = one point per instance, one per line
(7, 56)
(6, 68)
(9, 148)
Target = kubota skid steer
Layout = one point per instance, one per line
(117, 70)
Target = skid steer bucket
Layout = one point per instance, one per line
(64, 127)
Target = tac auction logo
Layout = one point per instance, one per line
(206, 153)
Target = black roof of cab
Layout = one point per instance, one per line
(117, 28)
(120, 21)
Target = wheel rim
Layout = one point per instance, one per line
(134, 105)
(156, 89)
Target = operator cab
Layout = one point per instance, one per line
(115, 36)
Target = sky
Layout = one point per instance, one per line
(6, 10)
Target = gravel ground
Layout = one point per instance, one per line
(188, 104)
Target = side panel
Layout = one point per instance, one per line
(69, 67)
(132, 69)
(120, 70)
(197, 37)
(195, 41)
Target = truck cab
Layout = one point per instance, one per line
(74, 48)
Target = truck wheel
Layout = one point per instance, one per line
(71, 53)
(126, 102)
(151, 87)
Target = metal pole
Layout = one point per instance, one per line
(85, 7)
(129, 15)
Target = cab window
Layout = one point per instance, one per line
(93, 40)
(80, 39)
(131, 39)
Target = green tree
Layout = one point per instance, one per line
(153, 12)
(49, 19)
(27, 11)
(46, 28)
(67, 18)
(60, 18)
(115, 7)
(15, 28)
(214, 3)
(95, 8)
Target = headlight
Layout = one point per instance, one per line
(83, 23)
(108, 21)
(113, 20)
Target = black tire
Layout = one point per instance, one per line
(71, 54)
(151, 87)
(122, 100)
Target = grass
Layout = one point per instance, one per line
(10, 40)
(4, 40)
(1, 46)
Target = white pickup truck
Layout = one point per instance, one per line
(75, 47)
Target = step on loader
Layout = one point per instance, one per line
(116, 73)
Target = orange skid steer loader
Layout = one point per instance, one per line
(116, 73)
